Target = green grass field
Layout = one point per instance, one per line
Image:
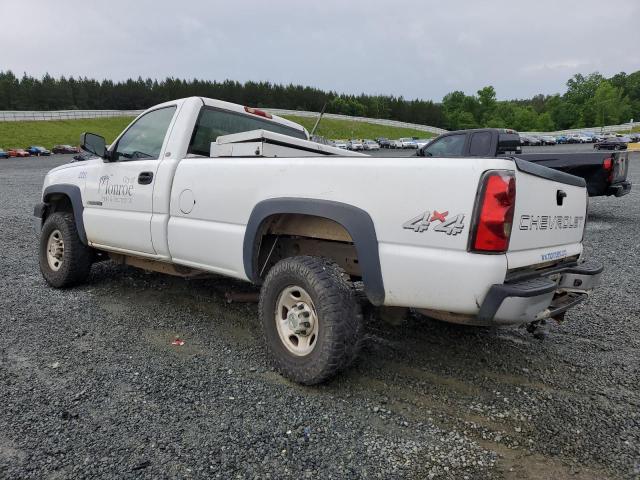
(345, 129)
(54, 132)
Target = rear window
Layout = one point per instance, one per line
(480, 144)
(508, 142)
(213, 122)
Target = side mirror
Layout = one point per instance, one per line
(92, 143)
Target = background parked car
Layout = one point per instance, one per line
(354, 144)
(65, 149)
(562, 139)
(3, 154)
(383, 142)
(579, 138)
(370, 145)
(535, 140)
(421, 142)
(38, 151)
(18, 152)
(340, 144)
(548, 140)
(407, 142)
(395, 144)
(530, 140)
(611, 143)
(634, 137)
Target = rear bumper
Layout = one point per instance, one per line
(538, 298)
(619, 189)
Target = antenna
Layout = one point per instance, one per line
(315, 127)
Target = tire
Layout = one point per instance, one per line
(323, 289)
(74, 259)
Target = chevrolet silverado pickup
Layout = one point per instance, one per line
(197, 186)
(604, 173)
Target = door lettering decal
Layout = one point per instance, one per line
(116, 192)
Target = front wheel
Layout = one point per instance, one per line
(311, 318)
(64, 259)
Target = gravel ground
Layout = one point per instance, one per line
(91, 387)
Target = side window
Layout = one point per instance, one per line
(449, 146)
(213, 123)
(144, 139)
(480, 145)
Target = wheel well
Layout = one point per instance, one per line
(281, 227)
(58, 202)
(65, 198)
(287, 235)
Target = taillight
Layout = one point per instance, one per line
(494, 212)
(607, 166)
(255, 111)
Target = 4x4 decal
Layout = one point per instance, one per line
(421, 223)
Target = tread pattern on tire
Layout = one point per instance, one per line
(76, 264)
(338, 311)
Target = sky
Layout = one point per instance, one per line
(411, 48)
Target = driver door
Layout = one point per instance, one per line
(119, 192)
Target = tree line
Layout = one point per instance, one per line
(590, 100)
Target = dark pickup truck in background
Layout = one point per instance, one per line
(605, 173)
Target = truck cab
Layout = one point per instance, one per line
(126, 194)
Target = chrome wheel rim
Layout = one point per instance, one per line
(296, 321)
(55, 250)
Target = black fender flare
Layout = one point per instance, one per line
(355, 220)
(75, 196)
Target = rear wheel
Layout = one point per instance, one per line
(311, 318)
(64, 259)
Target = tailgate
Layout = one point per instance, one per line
(549, 215)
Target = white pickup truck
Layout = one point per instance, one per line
(199, 185)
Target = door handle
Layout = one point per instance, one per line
(145, 178)
(560, 196)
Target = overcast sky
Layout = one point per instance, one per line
(418, 49)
